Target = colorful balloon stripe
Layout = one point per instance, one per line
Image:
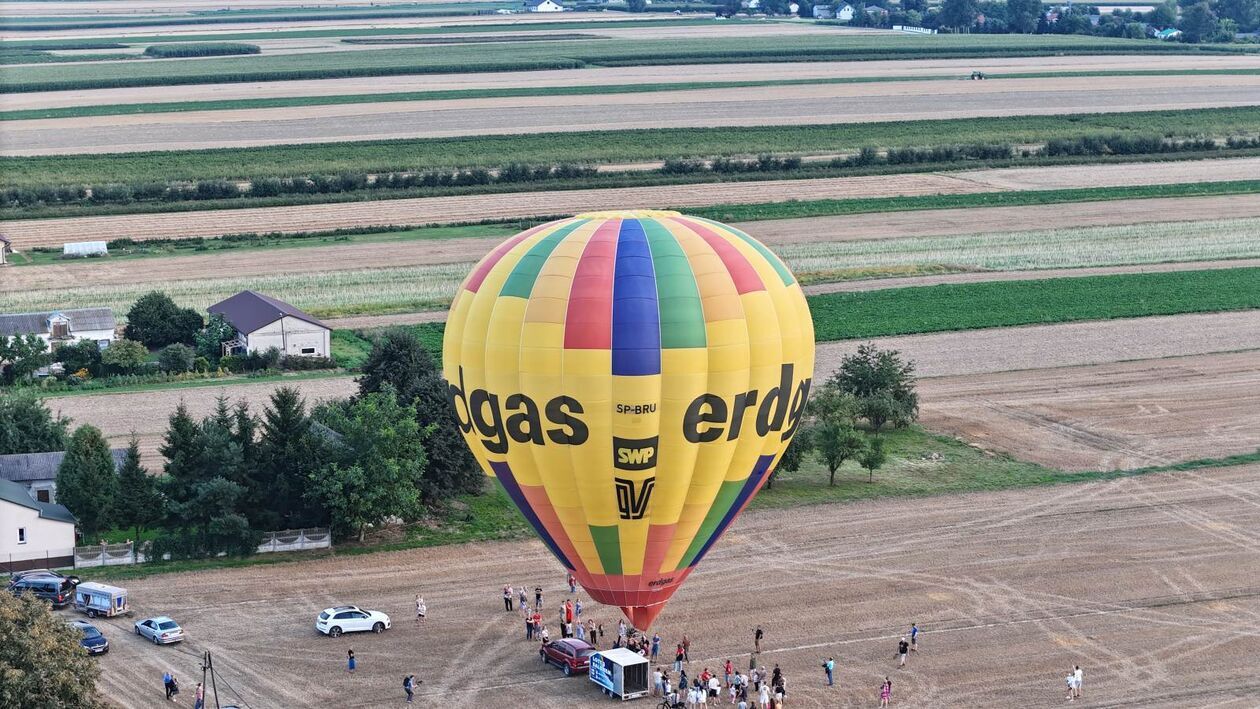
(636, 325)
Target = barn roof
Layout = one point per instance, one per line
(15, 493)
(81, 319)
(248, 310)
(26, 467)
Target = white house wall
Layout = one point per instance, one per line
(45, 538)
(76, 335)
(290, 335)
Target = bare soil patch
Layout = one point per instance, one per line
(315, 259)
(1012, 590)
(624, 75)
(435, 210)
(811, 104)
(1122, 415)
(145, 413)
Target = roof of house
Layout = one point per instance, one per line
(247, 311)
(26, 467)
(536, 3)
(81, 319)
(16, 494)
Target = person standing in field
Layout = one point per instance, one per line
(903, 648)
(421, 608)
(757, 635)
(1071, 686)
(409, 686)
(885, 692)
(829, 666)
(199, 696)
(1079, 677)
(577, 608)
(523, 598)
(507, 598)
(538, 596)
(686, 646)
(572, 583)
(350, 663)
(914, 637)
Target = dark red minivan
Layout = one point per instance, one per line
(569, 654)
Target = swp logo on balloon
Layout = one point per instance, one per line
(502, 420)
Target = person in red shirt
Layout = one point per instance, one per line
(727, 670)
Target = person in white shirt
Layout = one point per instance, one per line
(657, 685)
(1079, 675)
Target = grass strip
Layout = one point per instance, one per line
(612, 146)
(127, 109)
(528, 56)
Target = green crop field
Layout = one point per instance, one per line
(593, 147)
(523, 56)
(123, 109)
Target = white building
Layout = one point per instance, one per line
(62, 326)
(844, 13)
(262, 322)
(37, 472)
(543, 6)
(33, 535)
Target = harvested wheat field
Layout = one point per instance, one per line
(816, 104)
(145, 413)
(1147, 583)
(597, 76)
(875, 226)
(1123, 415)
(27, 233)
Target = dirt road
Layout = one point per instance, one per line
(810, 105)
(936, 222)
(435, 210)
(1147, 583)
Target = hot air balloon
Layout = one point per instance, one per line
(631, 379)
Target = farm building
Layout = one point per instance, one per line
(37, 472)
(543, 6)
(33, 534)
(63, 326)
(84, 249)
(262, 322)
(6, 248)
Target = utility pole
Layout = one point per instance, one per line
(207, 667)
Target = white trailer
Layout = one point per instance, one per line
(620, 673)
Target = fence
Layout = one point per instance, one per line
(126, 553)
(48, 559)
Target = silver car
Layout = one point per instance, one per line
(161, 630)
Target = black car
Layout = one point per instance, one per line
(56, 590)
(35, 573)
(92, 641)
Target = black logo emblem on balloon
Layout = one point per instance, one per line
(633, 504)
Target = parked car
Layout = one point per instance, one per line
(32, 573)
(161, 630)
(55, 589)
(350, 619)
(92, 641)
(569, 654)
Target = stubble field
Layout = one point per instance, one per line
(1146, 583)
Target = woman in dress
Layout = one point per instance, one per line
(885, 692)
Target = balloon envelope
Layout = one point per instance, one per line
(631, 378)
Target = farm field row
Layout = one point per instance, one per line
(468, 244)
(528, 56)
(722, 201)
(875, 102)
(328, 285)
(596, 77)
(608, 147)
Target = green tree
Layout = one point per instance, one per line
(958, 14)
(400, 362)
(289, 453)
(27, 426)
(379, 467)
(1022, 15)
(1246, 13)
(836, 440)
(182, 448)
(155, 320)
(138, 505)
(636, 5)
(873, 457)
(210, 340)
(42, 663)
(1198, 23)
(176, 358)
(882, 384)
(84, 354)
(1164, 15)
(21, 356)
(87, 483)
(124, 356)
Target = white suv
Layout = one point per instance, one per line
(350, 619)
